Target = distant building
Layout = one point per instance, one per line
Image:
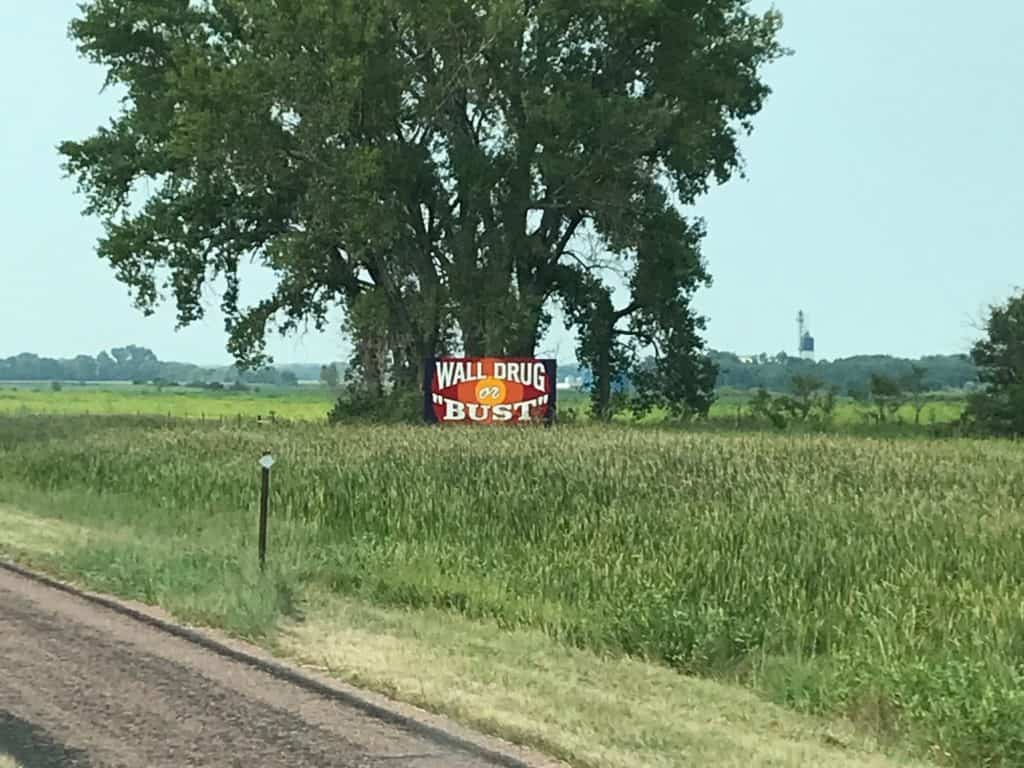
(569, 382)
(805, 342)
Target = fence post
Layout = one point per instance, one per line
(266, 462)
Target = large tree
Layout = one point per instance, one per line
(425, 164)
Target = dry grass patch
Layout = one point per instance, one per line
(31, 534)
(587, 710)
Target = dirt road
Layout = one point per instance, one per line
(84, 686)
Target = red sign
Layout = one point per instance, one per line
(489, 390)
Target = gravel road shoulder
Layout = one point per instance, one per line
(84, 685)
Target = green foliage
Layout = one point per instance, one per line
(887, 394)
(915, 388)
(442, 159)
(874, 579)
(764, 406)
(849, 375)
(131, 363)
(810, 401)
(400, 406)
(999, 407)
(809, 396)
(568, 415)
(680, 379)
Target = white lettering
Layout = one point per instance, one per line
(454, 410)
(490, 393)
(452, 372)
(524, 410)
(477, 412)
(539, 377)
(446, 371)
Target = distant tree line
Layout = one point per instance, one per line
(141, 365)
(857, 377)
(851, 376)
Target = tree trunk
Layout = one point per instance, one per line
(473, 336)
(601, 394)
(524, 343)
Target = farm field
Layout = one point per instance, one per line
(305, 403)
(871, 581)
(311, 403)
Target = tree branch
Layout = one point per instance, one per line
(570, 231)
(625, 311)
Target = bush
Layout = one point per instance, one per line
(397, 407)
(764, 406)
(567, 416)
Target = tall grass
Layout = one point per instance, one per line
(878, 579)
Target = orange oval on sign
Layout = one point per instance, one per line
(491, 391)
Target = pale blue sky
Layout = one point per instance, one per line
(884, 192)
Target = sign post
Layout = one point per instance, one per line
(266, 462)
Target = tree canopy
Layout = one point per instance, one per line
(435, 168)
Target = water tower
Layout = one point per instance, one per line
(805, 342)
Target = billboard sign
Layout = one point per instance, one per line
(489, 390)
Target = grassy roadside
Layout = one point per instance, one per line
(866, 579)
(522, 685)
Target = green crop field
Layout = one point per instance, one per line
(311, 403)
(305, 403)
(880, 580)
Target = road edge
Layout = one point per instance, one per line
(441, 731)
